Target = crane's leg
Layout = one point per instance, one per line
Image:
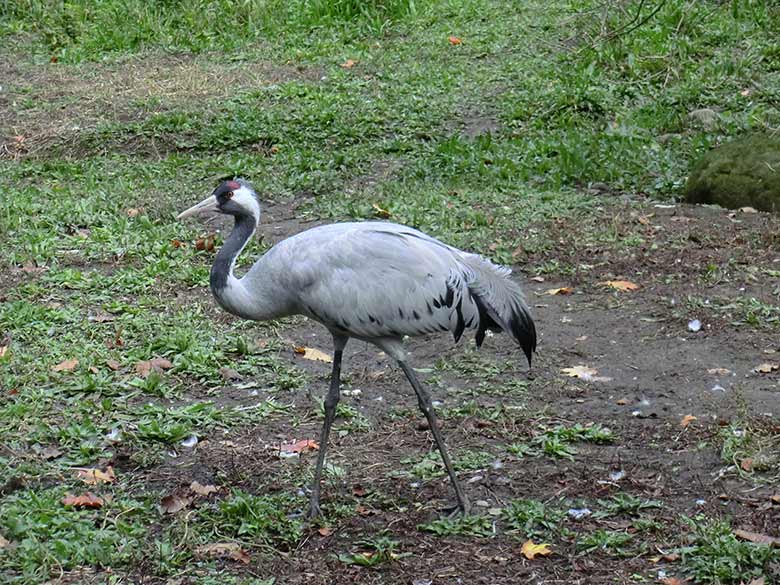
(424, 400)
(331, 401)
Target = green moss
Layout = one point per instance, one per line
(743, 173)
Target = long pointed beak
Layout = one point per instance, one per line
(208, 204)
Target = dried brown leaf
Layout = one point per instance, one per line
(757, 538)
(3, 350)
(113, 364)
(565, 290)
(202, 490)
(205, 243)
(349, 64)
(686, 420)
(174, 503)
(66, 366)
(301, 446)
(325, 531)
(88, 500)
(746, 464)
(455, 40)
(380, 212)
(144, 368)
(766, 368)
(311, 353)
(4, 542)
(223, 550)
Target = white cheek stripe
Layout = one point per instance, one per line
(246, 199)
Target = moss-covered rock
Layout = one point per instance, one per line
(742, 173)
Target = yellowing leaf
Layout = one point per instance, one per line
(566, 290)
(766, 368)
(686, 420)
(66, 366)
(531, 550)
(94, 476)
(455, 40)
(380, 212)
(349, 64)
(311, 353)
(223, 550)
(621, 285)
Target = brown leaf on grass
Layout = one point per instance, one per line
(358, 490)
(205, 243)
(775, 498)
(50, 453)
(102, 317)
(758, 581)
(585, 373)
(455, 40)
(94, 476)
(673, 581)
(202, 490)
(113, 364)
(66, 366)
(311, 353)
(363, 511)
(380, 212)
(325, 531)
(3, 350)
(565, 290)
(531, 550)
(620, 285)
(686, 420)
(88, 500)
(144, 368)
(134, 211)
(757, 538)
(301, 446)
(173, 503)
(177, 243)
(746, 464)
(349, 64)
(223, 550)
(32, 269)
(4, 542)
(766, 368)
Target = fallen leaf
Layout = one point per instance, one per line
(622, 401)
(4, 542)
(88, 500)
(566, 290)
(144, 368)
(229, 374)
(173, 503)
(223, 550)
(531, 550)
(66, 366)
(94, 476)
(113, 364)
(686, 420)
(301, 446)
(358, 490)
(349, 64)
(537, 278)
(673, 581)
(50, 453)
(719, 371)
(206, 243)
(177, 243)
(325, 531)
(380, 212)
(313, 354)
(671, 557)
(585, 373)
(455, 40)
(757, 538)
(758, 581)
(766, 368)
(746, 464)
(202, 490)
(621, 285)
(3, 350)
(745, 92)
(134, 211)
(775, 498)
(363, 511)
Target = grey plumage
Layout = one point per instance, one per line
(374, 281)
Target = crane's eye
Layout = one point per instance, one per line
(229, 195)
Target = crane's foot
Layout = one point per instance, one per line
(314, 511)
(461, 509)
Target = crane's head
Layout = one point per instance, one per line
(235, 197)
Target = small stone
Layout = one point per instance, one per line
(482, 503)
(704, 118)
(579, 513)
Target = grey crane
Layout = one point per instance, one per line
(374, 281)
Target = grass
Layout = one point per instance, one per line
(487, 143)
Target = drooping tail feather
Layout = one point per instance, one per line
(501, 304)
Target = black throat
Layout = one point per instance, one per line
(242, 230)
